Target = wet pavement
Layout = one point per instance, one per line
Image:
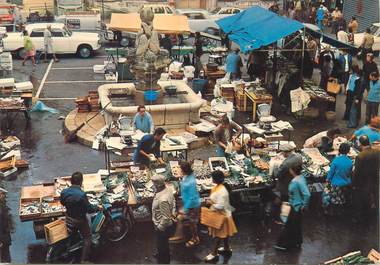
(43, 146)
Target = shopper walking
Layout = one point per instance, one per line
(345, 65)
(320, 16)
(299, 196)
(367, 43)
(354, 25)
(352, 90)
(48, 44)
(373, 99)
(190, 202)
(30, 51)
(337, 181)
(163, 212)
(220, 201)
(326, 71)
(336, 15)
(369, 67)
(365, 181)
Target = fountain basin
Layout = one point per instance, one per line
(175, 110)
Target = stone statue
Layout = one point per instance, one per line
(147, 43)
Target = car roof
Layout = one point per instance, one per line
(43, 25)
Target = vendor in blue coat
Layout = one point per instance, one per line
(320, 16)
(338, 177)
(148, 149)
(373, 97)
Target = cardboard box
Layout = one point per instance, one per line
(56, 231)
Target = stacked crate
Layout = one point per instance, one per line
(93, 100)
(228, 92)
(82, 104)
(239, 101)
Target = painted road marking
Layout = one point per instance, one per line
(44, 79)
(71, 68)
(78, 81)
(48, 99)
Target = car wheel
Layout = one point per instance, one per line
(84, 51)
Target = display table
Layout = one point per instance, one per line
(256, 99)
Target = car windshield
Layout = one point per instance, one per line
(215, 11)
(374, 29)
(68, 32)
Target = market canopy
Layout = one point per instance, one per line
(317, 33)
(256, 27)
(166, 24)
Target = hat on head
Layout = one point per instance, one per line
(158, 180)
(286, 148)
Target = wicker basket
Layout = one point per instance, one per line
(212, 218)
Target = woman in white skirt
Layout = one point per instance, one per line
(220, 201)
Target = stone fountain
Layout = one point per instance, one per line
(148, 61)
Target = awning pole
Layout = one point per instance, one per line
(303, 55)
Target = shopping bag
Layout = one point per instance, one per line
(333, 86)
(285, 210)
(212, 218)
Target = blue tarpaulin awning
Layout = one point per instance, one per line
(256, 27)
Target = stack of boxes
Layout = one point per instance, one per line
(88, 103)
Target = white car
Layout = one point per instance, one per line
(199, 20)
(375, 31)
(160, 9)
(221, 12)
(64, 41)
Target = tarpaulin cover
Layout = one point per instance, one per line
(166, 24)
(256, 27)
(316, 33)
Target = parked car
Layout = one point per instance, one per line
(80, 21)
(160, 9)
(375, 31)
(221, 12)
(199, 20)
(64, 41)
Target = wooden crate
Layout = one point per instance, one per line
(56, 231)
(26, 217)
(239, 101)
(55, 202)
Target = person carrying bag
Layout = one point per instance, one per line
(218, 218)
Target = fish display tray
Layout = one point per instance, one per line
(30, 216)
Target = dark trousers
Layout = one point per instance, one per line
(349, 101)
(84, 229)
(344, 79)
(361, 201)
(291, 236)
(372, 110)
(5, 255)
(162, 241)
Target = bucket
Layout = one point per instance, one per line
(199, 85)
(151, 95)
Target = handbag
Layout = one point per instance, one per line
(332, 86)
(212, 218)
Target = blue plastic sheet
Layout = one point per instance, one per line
(41, 107)
(256, 27)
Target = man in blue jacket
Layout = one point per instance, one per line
(320, 16)
(148, 148)
(345, 64)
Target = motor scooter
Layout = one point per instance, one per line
(110, 223)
